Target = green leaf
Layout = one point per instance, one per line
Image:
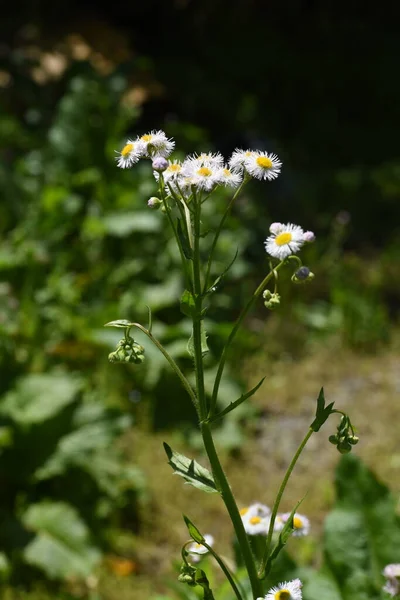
(61, 547)
(204, 346)
(38, 397)
(201, 579)
(188, 305)
(190, 470)
(214, 287)
(187, 250)
(193, 531)
(282, 540)
(323, 412)
(122, 323)
(237, 402)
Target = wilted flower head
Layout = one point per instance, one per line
(256, 519)
(288, 590)
(263, 165)
(285, 240)
(196, 550)
(300, 523)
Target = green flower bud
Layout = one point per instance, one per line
(344, 447)
(334, 439)
(353, 440)
(272, 300)
(154, 202)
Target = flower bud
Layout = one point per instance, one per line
(160, 164)
(154, 202)
(353, 440)
(272, 300)
(344, 447)
(302, 275)
(333, 439)
(275, 227)
(309, 236)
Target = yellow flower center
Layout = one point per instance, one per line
(264, 162)
(255, 520)
(283, 238)
(146, 138)
(297, 523)
(248, 153)
(126, 149)
(243, 511)
(227, 172)
(174, 168)
(282, 595)
(204, 172)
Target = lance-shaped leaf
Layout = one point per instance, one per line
(204, 346)
(187, 251)
(213, 288)
(190, 470)
(201, 579)
(284, 535)
(122, 323)
(323, 412)
(236, 403)
(193, 531)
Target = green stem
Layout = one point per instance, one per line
(172, 363)
(225, 570)
(278, 501)
(232, 335)
(217, 233)
(229, 501)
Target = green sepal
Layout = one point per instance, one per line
(188, 304)
(213, 288)
(237, 402)
(193, 531)
(201, 579)
(204, 346)
(122, 323)
(187, 250)
(191, 471)
(322, 413)
(284, 535)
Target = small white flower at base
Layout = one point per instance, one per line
(238, 159)
(288, 590)
(256, 519)
(196, 550)
(284, 241)
(130, 154)
(300, 522)
(263, 165)
(156, 143)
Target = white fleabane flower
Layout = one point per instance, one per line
(256, 519)
(171, 172)
(287, 240)
(238, 159)
(130, 154)
(230, 178)
(215, 159)
(196, 550)
(300, 523)
(204, 177)
(288, 590)
(156, 143)
(392, 571)
(392, 587)
(263, 165)
(392, 574)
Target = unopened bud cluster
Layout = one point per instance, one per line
(127, 351)
(187, 574)
(344, 439)
(271, 300)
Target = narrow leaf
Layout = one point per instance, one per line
(282, 540)
(190, 470)
(119, 323)
(237, 402)
(187, 251)
(213, 288)
(322, 413)
(204, 345)
(188, 305)
(150, 325)
(201, 579)
(193, 531)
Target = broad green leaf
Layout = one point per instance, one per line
(193, 531)
(237, 402)
(190, 470)
(38, 397)
(61, 547)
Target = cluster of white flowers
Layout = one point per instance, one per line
(196, 551)
(288, 590)
(150, 145)
(286, 240)
(392, 574)
(256, 520)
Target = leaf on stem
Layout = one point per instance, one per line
(201, 579)
(193, 531)
(187, 250)
(119, 323)
(236, 403)
(204, 346)
(190, 470)
(322, 413)
(213, 288)
(188, 304)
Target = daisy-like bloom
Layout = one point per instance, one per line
(173, 171)
(156, 143)
(230, 178)
(263, 165)
(300, 522)
(204, 177)
(215, 159)
(197, 550)
(288, 590)
(286, 240)
(130, 154)
(256, 519)
(238, 159)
